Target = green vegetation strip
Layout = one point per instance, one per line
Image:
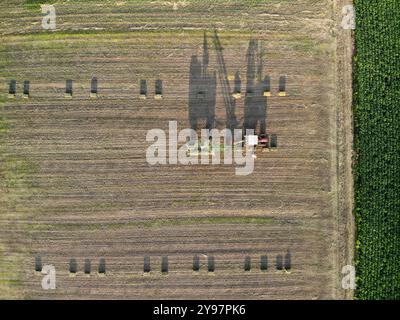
(377, 131)
(16, 188)
(33, 4)
(154, 223)
(9, 272)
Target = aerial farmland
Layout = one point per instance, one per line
(77, 192)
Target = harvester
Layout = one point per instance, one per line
(262, 141)
(267, 142)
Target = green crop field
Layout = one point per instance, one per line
(377, 124)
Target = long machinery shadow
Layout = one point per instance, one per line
(203, 83)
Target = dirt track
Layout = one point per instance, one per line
(91, 193)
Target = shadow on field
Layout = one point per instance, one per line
(255, 105)
(203, 83)
(202, 91)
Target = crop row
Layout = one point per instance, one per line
(377, 163)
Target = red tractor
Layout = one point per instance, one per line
(267, 141)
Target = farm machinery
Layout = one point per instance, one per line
(261, 141)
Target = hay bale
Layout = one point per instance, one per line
(288, 261)
(164, 265)
(12, 89)
(38, 264)
(196, 263)
(279, 262)
(102, 265)
(282, 86)
(73, 266)
(143, 89)
(68, 89)
(26, 89)
(88, 267)
(93, 88)
(210, 264)
(247, 263)
(264, 263)
(146, 264)
(159, 90)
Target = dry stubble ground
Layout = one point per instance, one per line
(76, 184)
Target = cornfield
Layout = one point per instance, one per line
(377, 127)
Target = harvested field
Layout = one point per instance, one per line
(77, 190)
